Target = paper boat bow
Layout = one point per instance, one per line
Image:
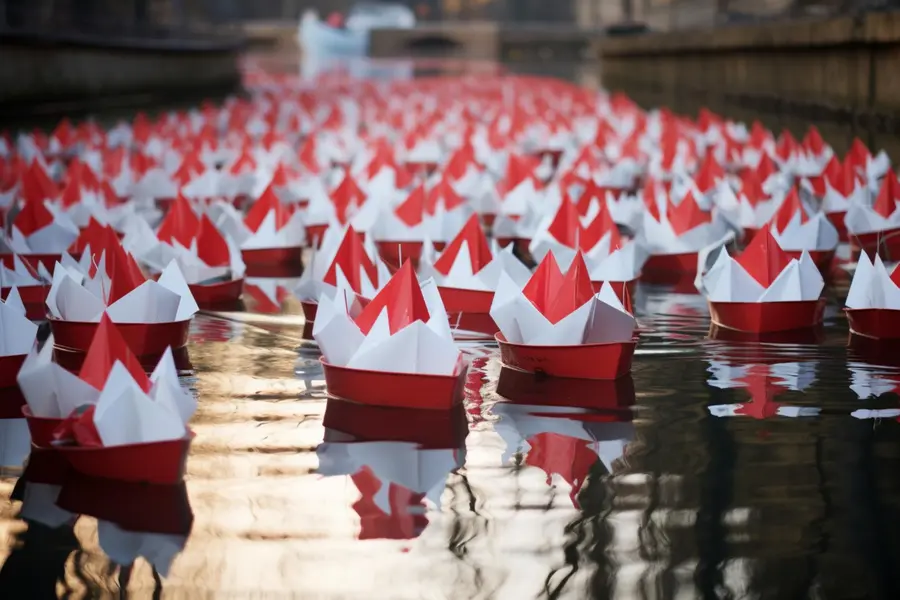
(404, 329)
(560, 310)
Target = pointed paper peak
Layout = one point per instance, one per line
(124, 273)
(543, 284)
(460, 162)
(709, 174)
(751, 187)
(180, 224)
(191, 167)
(860, 153)
(766, 168)
(790, 206)
(37, 186)
(834, 173)
(34, 216)
(888, 194)
(601, 225)
(269, 201)
(518, 169)
(347, 194)
(479, 250)
(71, 194)
(763, 258)
(813, 141)
(687, 215)
(574, 292)
(443, 194)
(787, 145)
(353, 260)
(401, 297)
(412, 210)
(211, 245)
(95, 235)
(107, 347)
(566, 225)
(245, 163)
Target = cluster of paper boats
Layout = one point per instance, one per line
(422, 208)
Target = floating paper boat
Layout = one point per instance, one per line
(558, 326)
(136, 429)
(396, 351)
(873, 301)
(17, 335)
(342, 262)
(797, 232)
(32, 286)
(764, 290)
(467, 271)
(151, 315)
(876, 228)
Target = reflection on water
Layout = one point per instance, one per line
(721, 468)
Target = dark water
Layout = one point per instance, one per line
(721, 468)
(659, 495)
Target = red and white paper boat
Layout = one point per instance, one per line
(344, 262)
(137, 430)
(796, 231)
(557, 325)
(32, 284)
(17, 335)
(764, 290)
(271, 235)
(873, 300)
(152, 315)
(876, 228)
(467, 271)
(396, 351)
(39, 235)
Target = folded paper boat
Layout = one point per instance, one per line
(873, 301)
(558, 326)
(32, 284)
(17, 336)
(396, 351)
(764, 290)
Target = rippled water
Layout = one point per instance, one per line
(721, 468)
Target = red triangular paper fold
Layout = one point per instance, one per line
(687, 215)
(180, 224)
(107, 347)
(412, 210)
(269, 201)
(479, 250)
(34, 216)
(211, 245)
(790, 206)
(763, 259)
(353, 259)
(401, 297)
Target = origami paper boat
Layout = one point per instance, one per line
(17, 336)
(876, 228)
(467, 272)
(558, 326)
(152, 315)
(396, 351)
(796, 232)
(32, 286)
(764, 290)
(345, 262)
(873, 301)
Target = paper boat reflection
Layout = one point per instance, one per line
(427, 428)
(394, 480)
(798, 336)
(11, 402)
(528, 388)
(268, 295)
(872, 381)
(564, 441)
(764, 382)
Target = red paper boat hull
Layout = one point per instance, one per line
(9, 369)
(144, 339)
(263, 258)
(458, 300)
(767, 317)
(226, 293)
(72, 360)
(41, 428)
(586, 361)
(487, 219)
(528, 388)
(391, 253)
(821, 258)
(137, 507)
(156, 462)
(874, 323)
(48, 260)
(885, 243)
(398, 390)
(309, 310)
(427, 428)
(34, 297)
(669, 268)
(837, 219)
